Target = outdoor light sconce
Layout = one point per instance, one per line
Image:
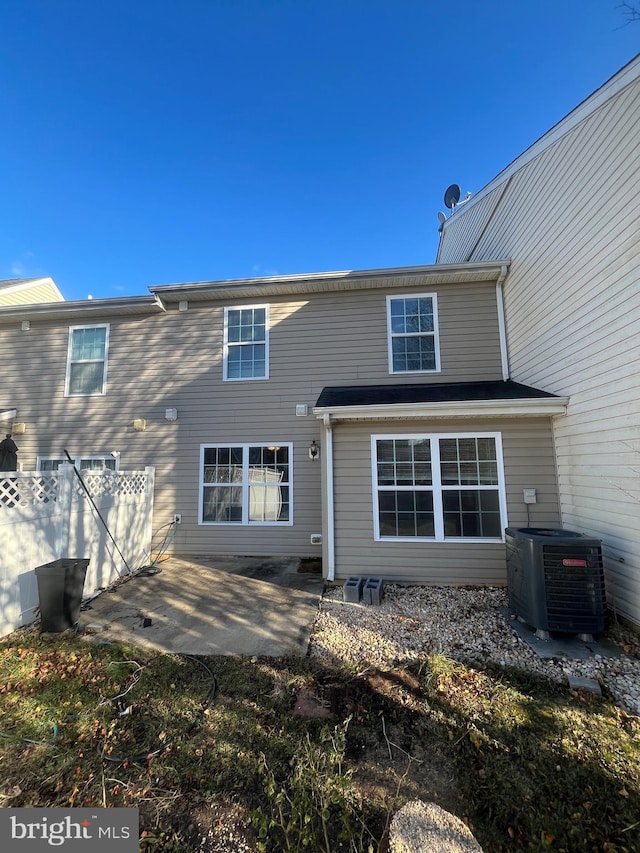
(314, 450)
(139, 425)
(171, 414)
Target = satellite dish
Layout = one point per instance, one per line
(442, 217)
(452, 196)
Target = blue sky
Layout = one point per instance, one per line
(156, 141)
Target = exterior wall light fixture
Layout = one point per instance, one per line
(314, 450)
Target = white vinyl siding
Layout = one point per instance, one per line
(246, 484)
(569, 222)
(87, 361)
(412, 333)
(440, 487)
(246, 342)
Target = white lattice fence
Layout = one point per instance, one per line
(112, 483)
(45, 516)
(20, 490)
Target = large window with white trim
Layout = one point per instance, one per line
(412, 332)
(87, 360)
(246, 342)
(439, 486)
(246, 484)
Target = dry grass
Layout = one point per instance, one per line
(527, 764)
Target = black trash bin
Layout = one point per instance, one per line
(60, 587)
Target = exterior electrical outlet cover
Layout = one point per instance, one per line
(555, 579)
(316, 538)
(529, 496)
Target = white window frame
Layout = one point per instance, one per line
(104, 361)
(228, 345)
(391, 335)
(437, 489)
(246, 484)
(78, 460)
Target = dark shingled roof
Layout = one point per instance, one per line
(434, 392)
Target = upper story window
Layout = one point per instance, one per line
(412, 323)
(87, 360)
(246, 342)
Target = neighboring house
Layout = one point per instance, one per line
(361, 416)
(20, 291)
(566, 214)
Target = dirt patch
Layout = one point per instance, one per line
(310, 566)
(393, 748)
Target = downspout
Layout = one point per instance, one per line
(502, 325)
(328, 462)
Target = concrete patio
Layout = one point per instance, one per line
(212, 606)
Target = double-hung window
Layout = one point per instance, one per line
(412, 332)
(82, 463)
(87, 360)
(246, 342)
(246, 484)
(438, 487)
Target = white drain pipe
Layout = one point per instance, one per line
(328, 471)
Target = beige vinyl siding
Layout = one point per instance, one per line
(570, 224)
(528, 462)
(174, 359)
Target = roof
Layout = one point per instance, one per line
(82, 309)
(440, 392)
(260, 288)
(437, 399)
(393, 277)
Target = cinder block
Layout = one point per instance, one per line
(373, 591)
(352, 589)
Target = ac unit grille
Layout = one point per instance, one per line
(575, 598)
(554, 556)
(559, 586)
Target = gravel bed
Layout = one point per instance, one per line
(463, 624)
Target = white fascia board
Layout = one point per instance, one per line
(532, 407)
(343, 279)
(81, 308)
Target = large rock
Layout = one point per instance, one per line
(426, 828)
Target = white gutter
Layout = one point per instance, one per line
(502, 325)
(328, 463)
(529, 407)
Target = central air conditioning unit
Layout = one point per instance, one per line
(555, 580)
